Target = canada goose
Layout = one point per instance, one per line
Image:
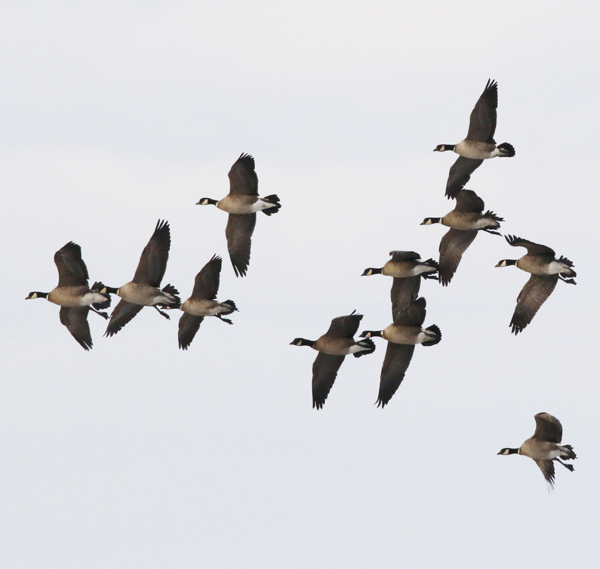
(144, 289)
(407, 268)
(465, 220)
(544, 446)
(402, 336)
(202, 302)
(242, 203)
(479, 144)
(73, 294)
(545, 271)
(333, 347)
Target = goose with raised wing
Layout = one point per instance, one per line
(202, 303)
(464, 221)
(242, 203)
(402, 337)
(333, 346)
(144, 289)
(407, 268)
(74, 295)
(545, 269)
(545, 447)
(479, 144)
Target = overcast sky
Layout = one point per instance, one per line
(139, 455)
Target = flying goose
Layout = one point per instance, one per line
(333, 347)
(544, 446)
(465, 220)
(407, 268)
(479, 144)
(73, 294)
(545, 271)
(202, 302)
(242, 203)
(144, 289)
(402, 336)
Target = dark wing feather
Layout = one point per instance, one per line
(123, 313)
(547, 428)
(71, 268)
(344, 326)
(395, 364)
(482, 123)
(325, 370)
(188, 326)
(153, 262)
(460, 174)
(242, 177)
(547, 468)
(75, 319)
(532, 248)
(404, 291)
(404, 255)
(452, 247)
(534, 294)
(206, 284)
(413, 314)
(468, 200)
(239, 240)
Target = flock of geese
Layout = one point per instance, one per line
(76, 298)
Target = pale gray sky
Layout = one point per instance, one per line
(138, 455)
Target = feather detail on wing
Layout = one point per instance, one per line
(123, 313)
(75, 319)
(547, 468)
(532, 248)
(395, 364)
(206, 284)
(547, 428)
(482, 122)
(460, 174)
(242, 177)
(452, 247)
(530, 299)
(71, 268)
(413, 314)
(188, 326)
(403, 292)
(153, 261)
(469, 201)
(325, 369)
(344, 326)
(239, 240)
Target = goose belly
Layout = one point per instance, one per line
(202, 307)
(404, 270)
(476, 149)
(404, 334)
(73, 296)
(241, 205)
(334, 346)
(468, 221)
(539, 450)
(538, 266)
(143, 294)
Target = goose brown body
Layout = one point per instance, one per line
(545, 269)
(202, 302)
(144, 289)
(545, 447)
(333, 347)
(74, 295)
(479, 144)
(242, 203)
(465, 221)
